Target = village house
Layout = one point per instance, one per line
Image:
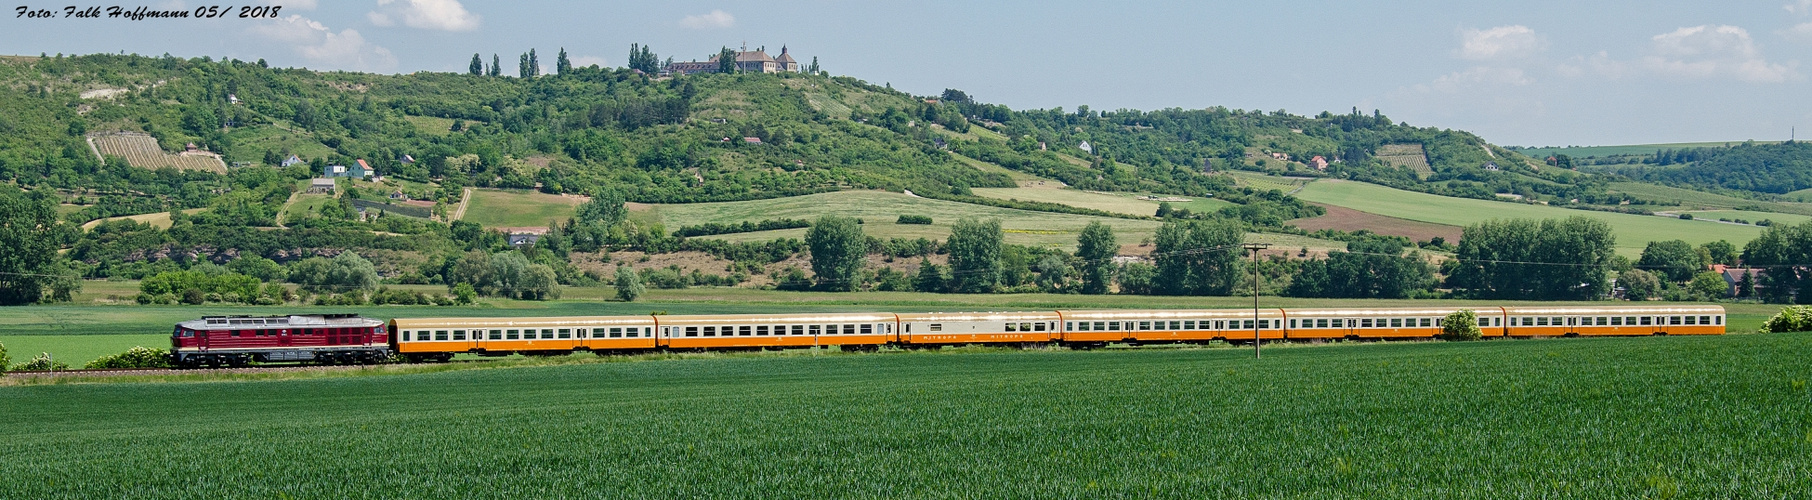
(1318, 162)
(292, 160)
(1085, 146)
(1734, 275)
(320, 185)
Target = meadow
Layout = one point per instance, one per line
(1124, 203)
(1659, 417)
(518, 208)
(1633, 231)
(1694, 199)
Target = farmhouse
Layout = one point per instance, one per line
(1318, 162)
(320, 185)
(358, 170)
(292, 160)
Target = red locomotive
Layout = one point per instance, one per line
(315, 338)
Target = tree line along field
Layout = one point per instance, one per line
(1587, 418)
(1633, 231)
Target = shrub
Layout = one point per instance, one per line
(40, 363)
(914, 219)
(1790, 319)
(1461, 325)
(137, 357)
(1685, 216)
(4, 360)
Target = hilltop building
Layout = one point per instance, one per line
(748, 61)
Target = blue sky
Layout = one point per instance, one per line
(1522, 73)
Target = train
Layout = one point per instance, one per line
(348, 338)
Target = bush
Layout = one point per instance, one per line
(40, 363)
(1685, 216)
(1461, 325)
(137, 357)
(1790, 319)
(4, 360)
(914, 219)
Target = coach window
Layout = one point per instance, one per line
(1673, 320)
(1720, 320)
(849, 329)
(1705, 320)
(1012, 327)
(1646, 321)
(868, 328)
(614, 333)
(691, 331)
(1039, 326)
(565, 333)
(1689, 320)
(1365, 323)
(459, 334)
(1616, 321)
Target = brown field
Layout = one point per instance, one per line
(1347, 219)
(141, 150)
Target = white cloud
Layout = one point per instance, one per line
(1477, 76)
(709, 20)
(446, 15)
(1802, 32)
(1502, 42)
(1801, 7)
(1708, 51)
(320, 45)
(583, 61)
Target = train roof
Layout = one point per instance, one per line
(981, 316)
(1389, 311)
(826, 317)
(294, 320)
(1615, 310)
(1113, 314)
(550, 321)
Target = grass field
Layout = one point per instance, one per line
(160, 220)
(1587, 418)
(513, 208)
(1021, 177)
(1124, 203)
(879, 210)
(1631, 149)
(77, 350)
(1692, 199)
(1347, 219)
(1633, 231)
(1268, 182)
(430, 125)
(1749, 215)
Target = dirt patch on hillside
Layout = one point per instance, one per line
(1347, 219)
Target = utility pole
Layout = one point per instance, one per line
(1257, 342)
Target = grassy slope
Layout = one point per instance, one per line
(1750, 215)
(1124, 203)
(880, 209)
(512, 208)
(1633, 231)
(1602, 418)
(1689, 198)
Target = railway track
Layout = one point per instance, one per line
(122, 372)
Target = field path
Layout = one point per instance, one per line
(465, 200)
(285, 209)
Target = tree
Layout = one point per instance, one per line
(351, 272)
(30, 233)
(496, 65)
(1096, 248)
(1746, 285)
(1138, 278)
(477, 66)
(1198, 257)
(509, 270)
(975, 255)
(64, 281)
(1370, 268)
(814, 67)
(930, 278)
(522, 66)
(1676, 260)
(1639, 284)
(1547, 259)
(539, 282)
(1053, 274)
(465, 293)
(257, 267)
(1720, 252)
(1461, 325)
(629, 284)
(474, 270)
(726, 61)
(534, 64)
(1709, 285)
(838, 247)
(561, 64)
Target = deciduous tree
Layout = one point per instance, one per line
(837, 246)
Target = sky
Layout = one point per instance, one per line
(1532, 73)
